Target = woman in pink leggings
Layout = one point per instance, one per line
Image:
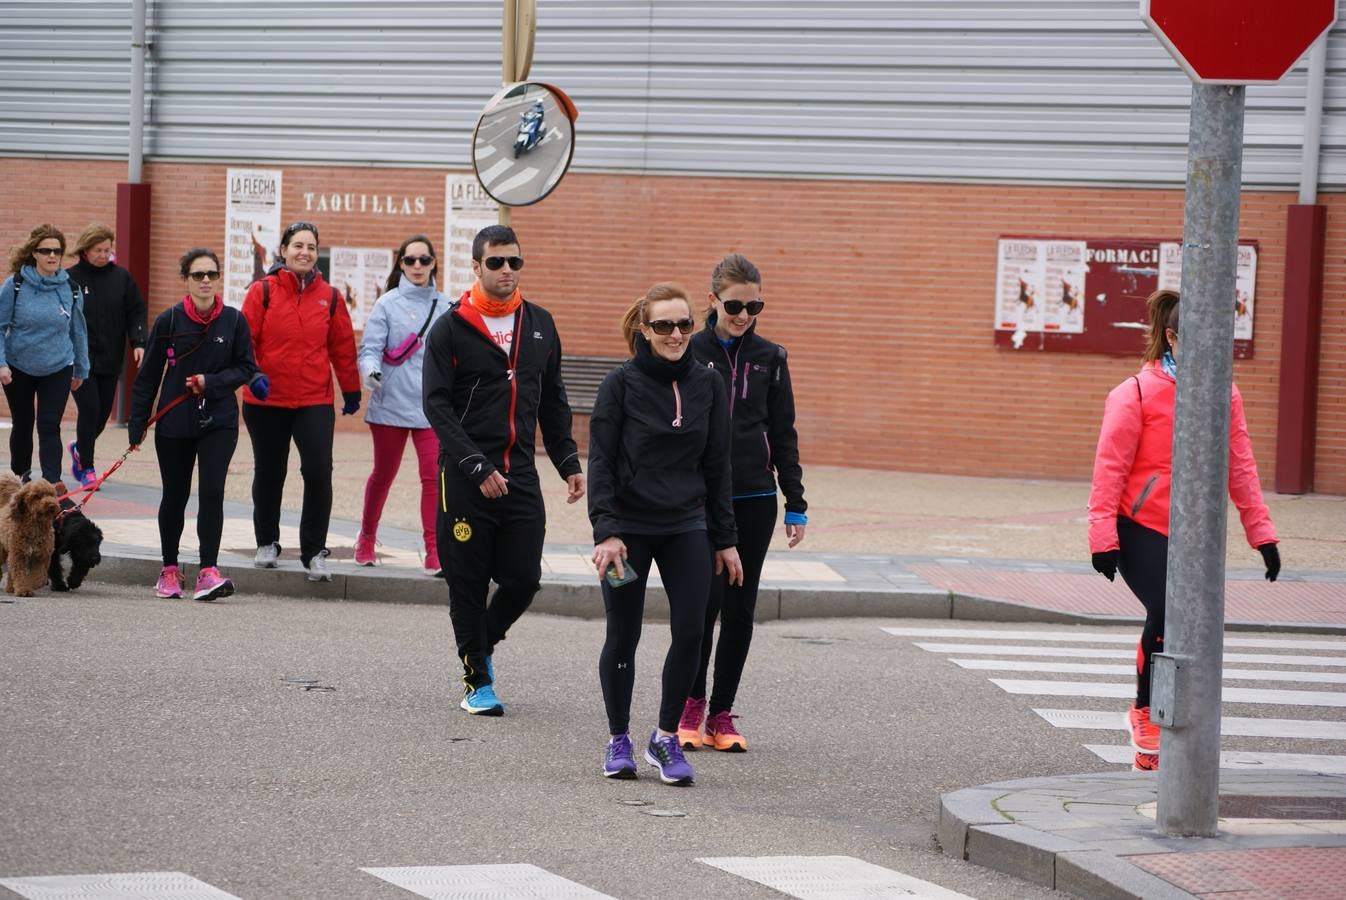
(391, 353)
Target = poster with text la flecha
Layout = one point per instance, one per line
(359, 274)
(251, 228)
(1063, 268)
(1245, 281)
(1020, 285)
(467, 210)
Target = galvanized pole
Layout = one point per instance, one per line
(1189, 769)
(135, 152)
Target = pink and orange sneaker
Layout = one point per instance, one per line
(364, 550)
(211, 585)
(169, 586)
(722, 735)
(1144, 733)
(1145, 762)
(689, 726)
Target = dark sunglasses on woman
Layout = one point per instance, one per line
(666, 326)
(48, 251)
(734, 307)
(203, 276)
(495, 263)
(412, 260)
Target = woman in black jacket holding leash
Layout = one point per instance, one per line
(659, 489)
(206, 350)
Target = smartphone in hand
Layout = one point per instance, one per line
(611, 574)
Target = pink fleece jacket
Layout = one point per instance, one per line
(1135, 455)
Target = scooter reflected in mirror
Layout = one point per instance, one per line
(523, 143)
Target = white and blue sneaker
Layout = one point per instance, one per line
(482, 701)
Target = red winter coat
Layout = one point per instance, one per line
(299, 339)
(1135, 457)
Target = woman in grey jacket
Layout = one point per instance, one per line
(391, 356)
(45, 352)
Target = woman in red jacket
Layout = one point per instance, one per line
(301, 331)
(1128, 504)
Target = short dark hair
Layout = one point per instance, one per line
(191, 256)
(296, 227)
(492, 234)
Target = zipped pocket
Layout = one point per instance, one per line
(766, 442)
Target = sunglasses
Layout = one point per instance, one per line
(495, 263)
(48, 251)
(296, 228)
(423, 260)
(212, 275)
(734, 307)
(666, 326)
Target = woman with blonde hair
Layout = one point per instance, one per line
(659, 489)
(1129, 500)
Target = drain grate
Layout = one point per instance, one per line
(1238, 806)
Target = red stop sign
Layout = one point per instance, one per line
(1238, 41)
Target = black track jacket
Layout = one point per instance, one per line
(762, 407)
(114, 312)
(485, 408)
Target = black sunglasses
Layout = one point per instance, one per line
(666, 326)
(734, 307)
(296, 228)
(48, 251)
(211, 275)
(494, 263)
(423, 260)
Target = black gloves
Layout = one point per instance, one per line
(1272, 557)
(135, 433)
(1105, 563)
(352, 404)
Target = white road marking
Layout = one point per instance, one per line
(1267, 659)
(829, 877)
(497, 882)
(484, 151)
(1105, 689)
(515, 181)
(1239, 759)
(1059, 668)
(115, 886)
(495, 172)
(1230, 726)
(1103, 637)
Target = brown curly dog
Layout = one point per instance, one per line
(26, 535)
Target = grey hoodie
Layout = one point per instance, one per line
(396, 315)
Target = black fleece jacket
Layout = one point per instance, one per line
(114, 312)
(762, 407)
(659, 452)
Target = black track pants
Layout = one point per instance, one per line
(50, 393)
(271, 428)
(209, 454)
(94, 402)
(1143, 563)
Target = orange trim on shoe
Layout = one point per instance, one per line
(722, 735)
(1144, 733)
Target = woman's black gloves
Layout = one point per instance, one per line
(1272, 557)
(1105, 563)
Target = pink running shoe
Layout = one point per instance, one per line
(722, 735)
(689, 726)
(364, 550)
(211, 585)
(170, 583)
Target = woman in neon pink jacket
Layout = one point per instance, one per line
(1128, 504)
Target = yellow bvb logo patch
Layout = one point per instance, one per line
(462, 531)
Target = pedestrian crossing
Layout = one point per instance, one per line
(1286, 672)
(804, 877)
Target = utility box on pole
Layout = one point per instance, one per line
(1223, 45)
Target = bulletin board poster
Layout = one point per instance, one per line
(359, 275)
(1088, 295)
(251, 228)
(467, 210)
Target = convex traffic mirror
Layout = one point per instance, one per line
(523, 142)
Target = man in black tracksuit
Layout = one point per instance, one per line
(492, 376)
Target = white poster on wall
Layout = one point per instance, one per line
(1245, 280)
(251, 228)
(360, 274)
(1020, 286)
(1063, 286)
(467, 210)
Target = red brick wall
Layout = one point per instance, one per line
(882, 291)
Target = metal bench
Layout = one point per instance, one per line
(582, 376)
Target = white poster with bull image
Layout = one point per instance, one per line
(1245, 280)
(467, 210)
(251, 228)
(359, 274)
(1063, 286)
(1020, 287)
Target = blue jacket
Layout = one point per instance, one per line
(43, 326)
(397, 315)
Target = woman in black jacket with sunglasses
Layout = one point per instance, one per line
(202, 349)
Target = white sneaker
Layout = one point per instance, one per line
(317, 567)
(267, 556)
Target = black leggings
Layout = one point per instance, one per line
(51, 393)
(210, 454)
(271, 428)
(1143, 563)
(735, 605)
(94, 402)
(684, 564)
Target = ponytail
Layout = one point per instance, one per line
(1162, 311)
(636, 316)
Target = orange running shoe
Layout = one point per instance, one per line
(1145, 762)
(689, 726)
(1144, 733)
(722, 735)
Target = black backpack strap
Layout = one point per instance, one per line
(336, 298)
(266, 294)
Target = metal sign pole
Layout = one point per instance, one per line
(1188, 675)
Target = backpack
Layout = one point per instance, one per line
(76, 294)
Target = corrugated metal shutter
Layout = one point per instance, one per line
(999, 90)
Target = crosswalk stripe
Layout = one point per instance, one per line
(495, 171)
(517, 180)
(1108, 689)
(1267, 659)
(491, 882)
(1058, 668)
(1102, 637)
(1230, 726)
(1239, 759)
(829, 877)
(114, 886)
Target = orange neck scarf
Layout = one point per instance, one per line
(489, 306)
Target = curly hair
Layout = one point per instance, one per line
(91, 237)
(22, 254)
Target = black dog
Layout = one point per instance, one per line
(78, 538)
